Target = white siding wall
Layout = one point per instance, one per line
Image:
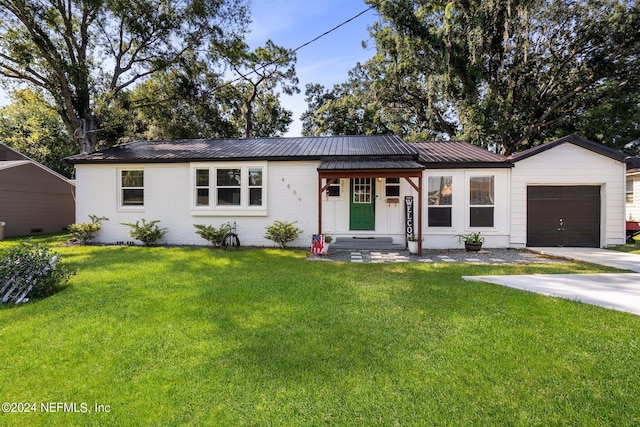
(496, 236)
(291, 194)
(568, 164)
(633, 209)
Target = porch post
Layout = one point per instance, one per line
(420, 214)
(319, 204)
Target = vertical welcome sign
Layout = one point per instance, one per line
(408, 216)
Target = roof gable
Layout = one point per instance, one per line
(575, 140)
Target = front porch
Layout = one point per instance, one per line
(360, 227)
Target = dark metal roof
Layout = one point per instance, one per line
(452, 154)
(633, 164)
(244, 149)
(573, 139)
(340, 165)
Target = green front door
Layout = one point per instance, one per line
(363, 210)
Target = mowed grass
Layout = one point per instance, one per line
(194, 336)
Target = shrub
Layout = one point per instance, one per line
(147, 232)
(283, 232)
(31, 270)
(211, 234)
(87, 231)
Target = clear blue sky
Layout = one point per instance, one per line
(291, 23)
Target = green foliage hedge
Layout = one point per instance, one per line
(283, 232)
(147, 232)
(31, 270)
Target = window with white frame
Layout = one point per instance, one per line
(218, 188)
(629, 192)
(132, 188)
(228, 187)
(392, 187)
(255, 186)
(439, 201)
(202, 187)
(481, 201)
(334, 190)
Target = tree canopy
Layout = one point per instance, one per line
(510, 73)
(29, 126)
(82, 55)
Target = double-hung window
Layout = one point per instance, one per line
(481, 201)
(228, 189)
(202, 187)
(440, 200)
(255, 186)
(629, 191)
(132, 188)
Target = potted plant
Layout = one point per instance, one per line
(472, 241)
(412, 243)
(327, 239)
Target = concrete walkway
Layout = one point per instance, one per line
(618, 291)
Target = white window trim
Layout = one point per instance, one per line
(339, 184)
(129, 208)
(392, 184)
(428, 206)
(197, 187)
(226, 210)
(468, 204)
(633, 192)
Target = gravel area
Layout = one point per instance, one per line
(485, 256)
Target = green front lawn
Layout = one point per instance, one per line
(631, 248)
(173, 336)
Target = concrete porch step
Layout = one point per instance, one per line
(365, 243)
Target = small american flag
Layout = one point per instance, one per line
(317, 244)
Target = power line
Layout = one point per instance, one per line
(262, 67)
(338, 26)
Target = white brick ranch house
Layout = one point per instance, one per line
(567, 192)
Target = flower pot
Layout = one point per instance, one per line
(413, 247)
(472, 247)
(326, 248)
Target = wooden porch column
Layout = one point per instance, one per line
(319, 204)
(420, 214)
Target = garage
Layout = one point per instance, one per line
(563, 216)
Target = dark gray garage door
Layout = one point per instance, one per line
(563, 216)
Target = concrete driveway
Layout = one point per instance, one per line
(618, 291)
(621, 260)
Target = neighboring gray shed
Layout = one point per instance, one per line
(33, 198)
